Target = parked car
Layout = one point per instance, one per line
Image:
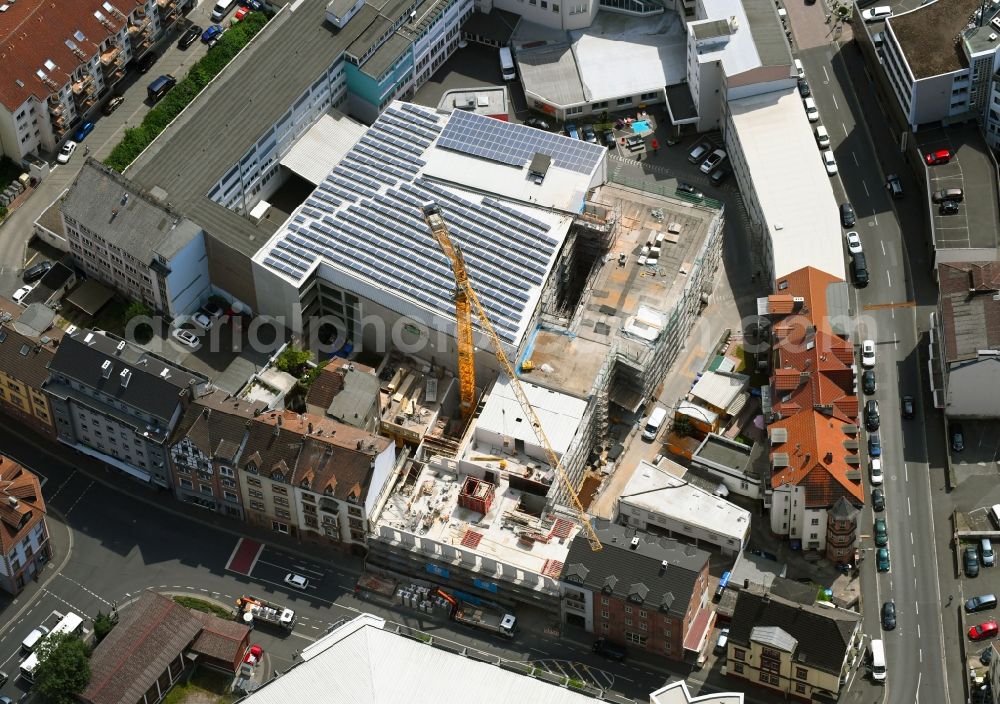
(213, 32)
(882, 563)
(712, 160)
(970, 562)
(85, 129)
(296, 580)
(847, 218)
(881, 532)
(241, 14)
(66, 152)
(872, 420)
(875, 470)
(213, 310)
(186, 337)
(868, 381)
(830, 163)
(203, 320)
(874, 445)
(113, 104)
(854, 242)
(894, 186)
(255, 5)
(690, 190)
(955, 194)
(20, 293)
(146, 62)
(804, 90)
(812, 113)
(719, 176)
(986, 656)
(941, 156)
(720, 645)
(957, 437)
(189, 37)
(699, 153)
(36, 271)
(878, 500)
(984, 602)
(949, 207)
(609, 139)
(888, 615)
(908, 408)
(538, 123)
(875, 14)
(983, 631)
(588, 134)
(868, 354)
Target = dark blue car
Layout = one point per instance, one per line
(255, 5)
(211, 33)
(874, 445)
(85, 129)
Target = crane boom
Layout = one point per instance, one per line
(432, 214)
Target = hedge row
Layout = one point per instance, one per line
(138, 138)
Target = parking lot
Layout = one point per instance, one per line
(981, 455)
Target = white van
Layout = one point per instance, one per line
(656, 419)
(222, 8)
(879, 669)
(29, 643)
(822, 137)
(507, 64)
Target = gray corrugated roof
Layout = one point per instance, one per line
(386, 55)
(147, 389)
(106, 202)
(551, 71)
(636, 572)
(823, 635)
(774, 637)
(250, 96)
(768, 35)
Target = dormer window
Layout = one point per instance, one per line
(252, 468)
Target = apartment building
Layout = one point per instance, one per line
(347, 392)
(802, 651)
(63, 59)
(126, 238)
(24, 361)
(116, 402)
(641, 591)
(24, 537)
(204, 450)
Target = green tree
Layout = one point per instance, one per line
(292, 360)
(103, 623)
(135, 309)
(63, 668)
(682, 426)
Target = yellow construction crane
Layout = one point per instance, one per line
(465, 300)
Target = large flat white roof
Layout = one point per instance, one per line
(658, 491)
(791, 183)
(560, 414)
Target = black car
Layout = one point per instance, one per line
(878, 500)
(603, 646)
(804, 90)
(189, 37)
(847, 215)
(868, 381)
(894, 185)
(908, 410)
(949, 207)
(689, 190)
(537, 123)
(146, 62)
(984, 602)
(986, 656)
(970, 559)
(609, 139)
(888, 615)
(588, 134)
(37, 271)
(718, 176)
(957, 437)
(113, 104)
(871, 415)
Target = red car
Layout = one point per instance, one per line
(984, 631)
(240, 14)
(941, 156)
(253, 655)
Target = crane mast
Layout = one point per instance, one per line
(466, 360)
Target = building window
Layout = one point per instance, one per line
(769, 678)
(186, 484)
(628, 621)
(642, 613)
(801, 673)
(628, 609)
(604, 626)
(253, 481)
(739, 654)
(256, 505)
(207, 490)
(230, 496)
(625, 101)
(279, 527)
(256, 494)
(815, 521)
(738, 668)
(279, 490)
(642, 626)
(635, 638)
(800, 688)
(605, 614)
(604, 601)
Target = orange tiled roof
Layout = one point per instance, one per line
(21, 503)
(780, 304)
(810, 284)
(817, 459)
(33, 32)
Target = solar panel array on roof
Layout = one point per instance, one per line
(366, 217)
(496, 140)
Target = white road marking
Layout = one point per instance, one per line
(916, 605)
(835, 101)
(826, 75)
(906, 477)
(908, 511)
(856, 162)
(888, 277)
(845, 128)
(866, 188)
(911, 537)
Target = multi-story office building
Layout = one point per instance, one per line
(118, 403)
(24, 361)
(62, 59)
(142, 247)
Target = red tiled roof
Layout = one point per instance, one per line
(780, 304)
(810, 284)
(21, 503)
(33, 32)
(816, 459)
(220, 639)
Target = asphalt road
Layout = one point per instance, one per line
(887, 314)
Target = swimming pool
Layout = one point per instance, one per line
(640, 126)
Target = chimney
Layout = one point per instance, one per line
(120, 348)
(360, 444)
(12, 501)
(106, 369)
(635, 543)
(310, 428)
(829, 458)
(125, 376)
(277, 427)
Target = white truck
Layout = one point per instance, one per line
(251, 611)
(485, 617)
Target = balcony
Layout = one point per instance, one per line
(83, 87)
(328, 506)
(58, 119)
(111, 57)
